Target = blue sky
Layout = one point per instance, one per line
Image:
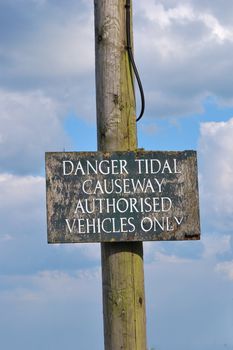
(50, 295)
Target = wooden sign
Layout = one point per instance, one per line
(122, 196)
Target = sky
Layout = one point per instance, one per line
(50, 295)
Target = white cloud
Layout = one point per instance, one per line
(170, 259)
(23, 237)
(215, 245)
(150, 129)
(60, 44)
(51, 284)
(31, 124)
(90, 251)
(220, 32)
(60, 49)
(51, 309)
(200, 296)
(165, 14)
(5, 237)
(226, 268)
(48, 46)
(215, 160)
(184, 52)
(21, 204)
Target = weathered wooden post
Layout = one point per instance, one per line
(122, 262)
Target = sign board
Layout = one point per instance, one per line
(122, 196)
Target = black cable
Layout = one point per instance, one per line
(131, 57)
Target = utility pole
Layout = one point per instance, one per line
(122, 263)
